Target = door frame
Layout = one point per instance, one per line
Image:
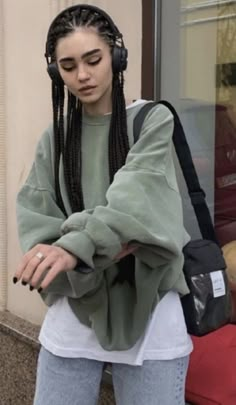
(151, 49)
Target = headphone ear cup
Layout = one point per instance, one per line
(119, 59)
(54, 74)
(124, 58)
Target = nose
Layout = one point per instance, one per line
(82, 73)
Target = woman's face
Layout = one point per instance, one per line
(84, 62)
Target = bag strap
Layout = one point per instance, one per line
(196, 193)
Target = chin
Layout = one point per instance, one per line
(89, 99)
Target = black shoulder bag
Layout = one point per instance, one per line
(208, 305)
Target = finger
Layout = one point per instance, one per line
(51, 274)
(41, 271)
(31, 268)
(23, 264)
(26, 259)
(20, 269)
(125, 252)
(26, 268)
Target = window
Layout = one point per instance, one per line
(198, 75)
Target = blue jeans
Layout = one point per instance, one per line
(66, 381)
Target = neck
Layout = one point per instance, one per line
(101, 107)
(95, 110)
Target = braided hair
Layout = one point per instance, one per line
(68, 148)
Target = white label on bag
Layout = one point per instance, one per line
(218, 283)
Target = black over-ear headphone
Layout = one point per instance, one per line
(119, 52)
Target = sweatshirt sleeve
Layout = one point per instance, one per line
(143, 204)
(39, 217)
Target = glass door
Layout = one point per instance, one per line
(198, 75)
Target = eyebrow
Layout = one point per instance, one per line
(85, 55)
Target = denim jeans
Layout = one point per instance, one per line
(67, 381)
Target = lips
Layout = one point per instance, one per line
(86, 89)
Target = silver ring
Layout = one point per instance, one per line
(40, 256)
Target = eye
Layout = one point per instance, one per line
(94, 61)
(68, 68)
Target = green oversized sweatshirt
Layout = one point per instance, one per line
(142, 205)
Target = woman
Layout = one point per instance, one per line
(100, 222)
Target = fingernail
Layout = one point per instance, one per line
(15, 279)
(40, 290)
(24, 282)
(31, 288)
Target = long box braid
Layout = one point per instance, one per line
(68, 146)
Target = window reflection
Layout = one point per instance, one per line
(208, 105)
(225, 125)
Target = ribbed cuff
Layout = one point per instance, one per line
(79, 244)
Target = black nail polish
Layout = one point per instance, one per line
(31, 288)
(40, 290)
(24, 282)
(15, 279)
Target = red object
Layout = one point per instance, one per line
(211, 378)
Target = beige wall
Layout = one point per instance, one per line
(26, 110)
(207, 38)
(189, 50)
(3, 242)
(199, 49)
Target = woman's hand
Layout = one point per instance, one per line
(126, 250)
(42, 264)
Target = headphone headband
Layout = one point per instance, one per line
(119, 52)
(117, 33)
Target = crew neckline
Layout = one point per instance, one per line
(102, 119)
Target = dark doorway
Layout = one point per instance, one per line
(151, 48)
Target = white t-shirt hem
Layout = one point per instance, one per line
(165, 337)
(121, 357)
